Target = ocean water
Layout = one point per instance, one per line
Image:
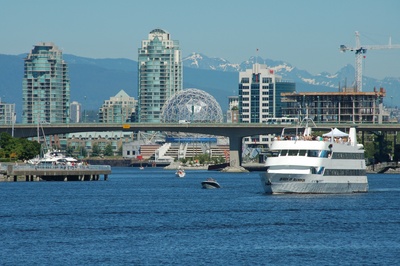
(150, 217)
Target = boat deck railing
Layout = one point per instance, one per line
(60, 167)
(342, 140)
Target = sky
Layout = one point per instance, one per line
(306, 34)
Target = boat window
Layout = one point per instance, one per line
(320, 170)
(302, 152)
(324, 154)
(345, 155)
(284, 152)
(345, 172)
(313, 171)
(273, 154)
(293, 152)
(313, 153)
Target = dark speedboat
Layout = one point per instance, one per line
(210, 183)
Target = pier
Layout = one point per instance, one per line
(28, 172)
(381, 168)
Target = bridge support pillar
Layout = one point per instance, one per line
(235, 154)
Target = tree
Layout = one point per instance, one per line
(4, 139)
(18, 148)
(30, 149)
(119, 152)
(95, 150)
(82, 151)
(69, 151)
(108, 150)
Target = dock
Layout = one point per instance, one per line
(384, 167)
(28, 172)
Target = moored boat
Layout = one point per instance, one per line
(331, 163)
(54, 157)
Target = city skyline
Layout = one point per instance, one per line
(304, 34)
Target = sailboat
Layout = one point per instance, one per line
(49, 155)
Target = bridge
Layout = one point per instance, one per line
(234, 131)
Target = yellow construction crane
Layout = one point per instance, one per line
(360, 50)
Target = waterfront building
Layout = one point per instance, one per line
(7, 113)
(86, 141)
(232, 115)
(344, 106)
(160, 74)
(75, 112)
(259, 100)
(118, 109)
(260, 94)
(45, 86)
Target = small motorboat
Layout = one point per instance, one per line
(180, 173)
(210, 183)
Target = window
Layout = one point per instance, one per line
(283, 152)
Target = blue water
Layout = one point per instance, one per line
(150, 217)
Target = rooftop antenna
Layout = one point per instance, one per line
(256, 55)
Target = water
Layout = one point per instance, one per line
(150, 217)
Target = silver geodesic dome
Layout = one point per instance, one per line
(192, 105)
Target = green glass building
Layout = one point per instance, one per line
(45, 86)
(160, 74)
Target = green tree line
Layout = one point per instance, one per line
(17, 148)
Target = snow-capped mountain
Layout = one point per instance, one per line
(201, 61)
(305, 81)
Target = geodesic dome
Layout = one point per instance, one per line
(192, 105)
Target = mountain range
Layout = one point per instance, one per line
(96, 80)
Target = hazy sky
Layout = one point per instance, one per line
(306, 34)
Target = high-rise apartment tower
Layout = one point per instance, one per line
(45, 87)
(260, 94)
(160, 74)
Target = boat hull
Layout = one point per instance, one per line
(180, 174)
(312, 184)
(209, 185)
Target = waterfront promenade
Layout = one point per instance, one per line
(234, 131)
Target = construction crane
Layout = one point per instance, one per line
(360, 51)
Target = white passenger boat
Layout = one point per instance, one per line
(332, 163)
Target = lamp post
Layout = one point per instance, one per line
(391, 106)
(120, 102)
(84, 111)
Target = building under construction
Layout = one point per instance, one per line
(347, 106)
